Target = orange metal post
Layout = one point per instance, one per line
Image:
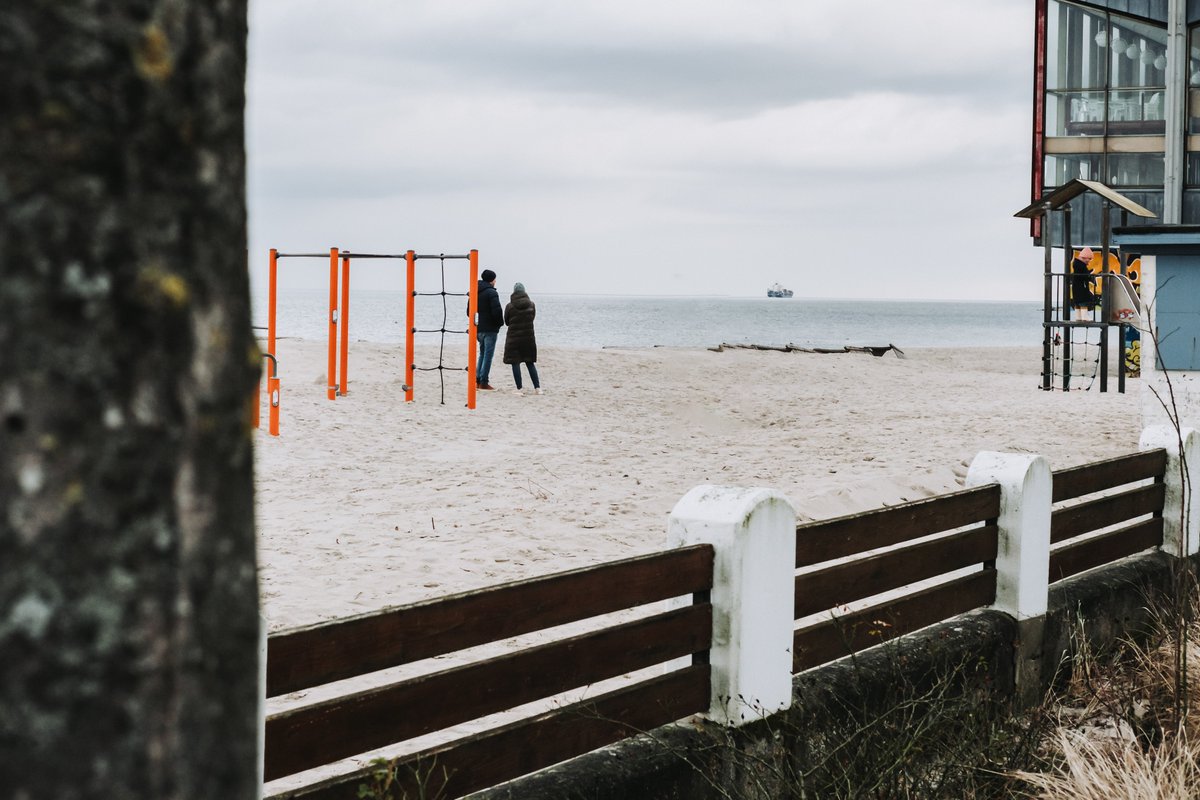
(410, 262)
(345, 312)
(472, 307)
(331, 392)
(272, 272)
(256, 416)
(273, 395)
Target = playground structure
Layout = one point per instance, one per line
(1113, 280)
(339, 324)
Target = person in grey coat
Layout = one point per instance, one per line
(520, 346)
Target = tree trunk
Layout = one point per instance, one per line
(128, 586)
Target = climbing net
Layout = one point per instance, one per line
(1076, 359)
(443, 330)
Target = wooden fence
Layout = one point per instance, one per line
(932, 560)
(318, 734)
(970, 514)
(1140, 508)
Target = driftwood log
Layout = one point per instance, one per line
(877, 350)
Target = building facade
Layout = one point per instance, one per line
(1114, 102)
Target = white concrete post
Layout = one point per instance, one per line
(1023, 557)
(1181, 519)
(753, 533)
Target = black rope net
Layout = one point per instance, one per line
(442, 331)
(1083, 362)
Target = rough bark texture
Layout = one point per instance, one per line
(128, 588)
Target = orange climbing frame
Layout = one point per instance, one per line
(339, 325)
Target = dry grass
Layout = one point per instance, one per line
(1112, 769)
(1157, 667)
(1122, 738)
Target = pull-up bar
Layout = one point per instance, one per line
(419, 256)
(341, 387)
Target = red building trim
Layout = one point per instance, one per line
(1039, 111)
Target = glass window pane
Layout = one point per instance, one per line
(1075, 113)
(1063, 168)
(1077, 52)
(1139, 53)
(1191, 207)
(1193, 169)
(1194, 81)
(1135, 169)
(1138, 113)
(1194, 57)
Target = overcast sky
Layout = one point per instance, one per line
(845, 149)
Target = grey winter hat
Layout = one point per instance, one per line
(518, 287)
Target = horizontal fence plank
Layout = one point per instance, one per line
(825, 540)
(325, 732)
(305, 657)
(830, 640)
(493, 757)
(1092, 515)
(1078, 557)
(844, 583)
(1101, 475)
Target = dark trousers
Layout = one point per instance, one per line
(487, 348)
(533, 376)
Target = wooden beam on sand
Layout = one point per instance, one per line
(877, 351)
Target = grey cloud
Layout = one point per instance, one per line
(721, 81)
(730, 79)
(369, 181)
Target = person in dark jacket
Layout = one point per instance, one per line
(520, 346)
(1083, 299)
(489, 319)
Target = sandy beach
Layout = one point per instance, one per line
(368, 501)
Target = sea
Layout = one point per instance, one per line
(598, 321)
